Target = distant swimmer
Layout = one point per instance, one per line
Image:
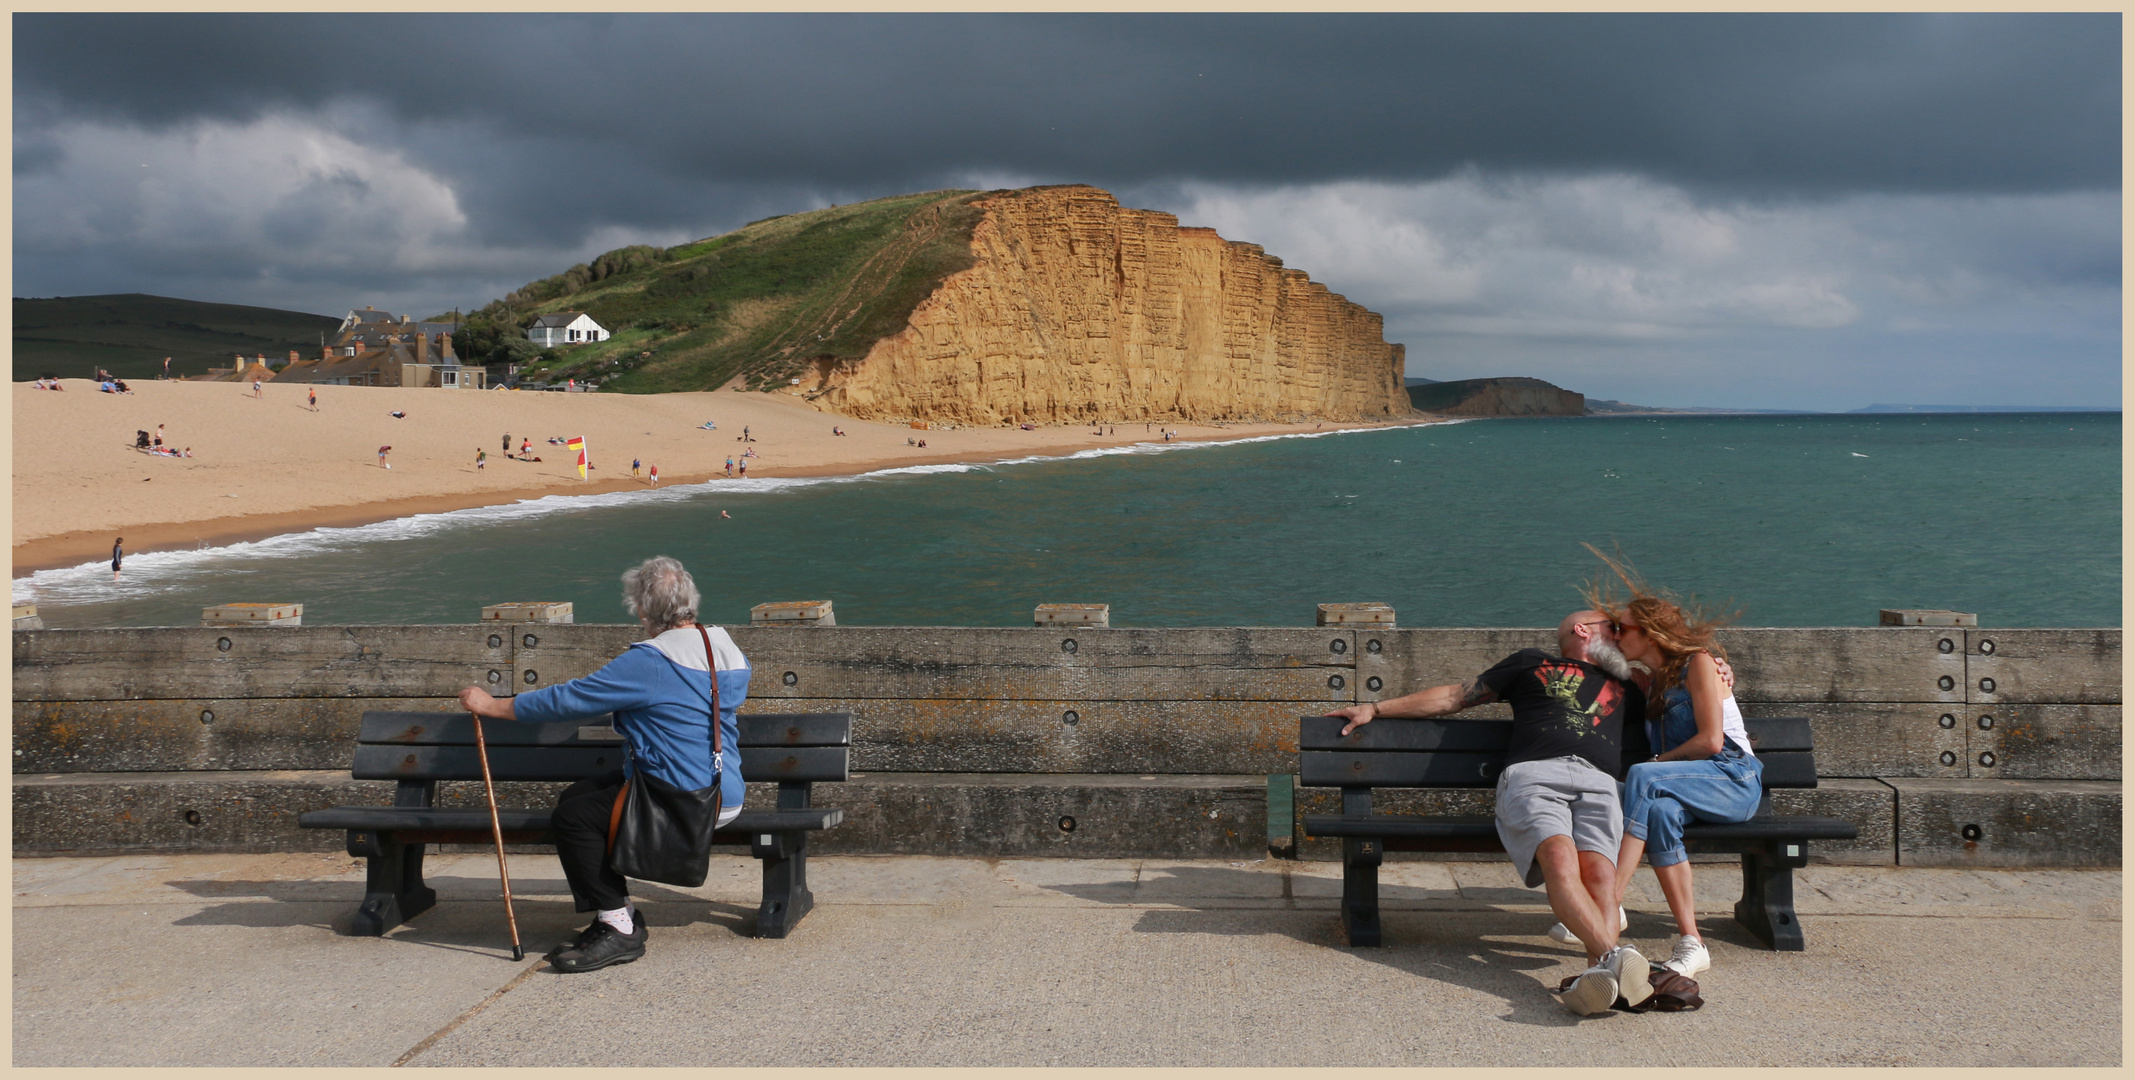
(726, 515)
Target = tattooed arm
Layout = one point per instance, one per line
(1436, 701)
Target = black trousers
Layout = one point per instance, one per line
(581, 826)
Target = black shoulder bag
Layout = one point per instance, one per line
(663, 833)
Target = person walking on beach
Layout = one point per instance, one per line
(730, 466)
(159, 436)
(118, 555)
(745, 434)
(166, 368)
(256, 389)
(481, 459)
(655, 475)
(634, 468)
(381, 457)
(1576, 719)
(744, 468)
(312, 398)
(507, 448)
(526, 445)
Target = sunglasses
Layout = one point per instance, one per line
(1614, 626)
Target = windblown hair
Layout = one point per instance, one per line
(1680, 628)
(660, 593)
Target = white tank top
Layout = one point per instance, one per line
(1731, 725)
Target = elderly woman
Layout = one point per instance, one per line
(660, 691)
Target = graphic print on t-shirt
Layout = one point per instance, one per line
(1562, 683)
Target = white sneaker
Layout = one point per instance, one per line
(1690, 957)
(1560, 932)
(1633, 980)
(1594, 991)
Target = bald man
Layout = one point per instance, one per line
(1559, 812)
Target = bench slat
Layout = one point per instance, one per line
(1438, 733)
(1788, 769)
(1770, 734)
(401, 728)
(1324, 768)
(1473, 827)
(462, 819)
(576, 761)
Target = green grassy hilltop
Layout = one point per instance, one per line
(129, 334)
(762, 302)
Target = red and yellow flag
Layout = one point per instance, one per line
(578, 443)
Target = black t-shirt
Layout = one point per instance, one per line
(1562, 707)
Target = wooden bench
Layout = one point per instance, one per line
(1470, 753)
(419, 749)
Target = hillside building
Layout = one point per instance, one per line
(566, 328)
(377, 348)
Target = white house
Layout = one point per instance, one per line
(566, 328)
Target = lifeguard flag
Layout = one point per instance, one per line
(579, 444)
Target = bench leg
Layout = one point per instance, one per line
(786, 895)
(393, 889)
(1360, 891)
(1767, 905)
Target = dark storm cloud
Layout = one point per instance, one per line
(1811, 211)
(1778, 104)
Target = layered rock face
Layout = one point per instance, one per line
(1079, 309)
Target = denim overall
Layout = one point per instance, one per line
(1659, 797)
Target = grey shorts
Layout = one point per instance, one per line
(1565, 796)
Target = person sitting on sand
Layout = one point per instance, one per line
(140, 439)
(188, 452)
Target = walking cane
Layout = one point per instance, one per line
(496, 828)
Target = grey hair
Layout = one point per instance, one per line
(660, 593)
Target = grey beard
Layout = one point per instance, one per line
(1606, 656)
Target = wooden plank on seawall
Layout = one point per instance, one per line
(188, 734)
(1025, 664)
(1067, 736)
(1879, 738)
(2044, 742)
(247, 662)
(2063, 666)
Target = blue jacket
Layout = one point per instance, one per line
(660, 692)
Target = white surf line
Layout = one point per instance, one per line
(149, 574)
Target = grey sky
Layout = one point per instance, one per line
(1759, 210)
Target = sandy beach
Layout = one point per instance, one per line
(267, 466)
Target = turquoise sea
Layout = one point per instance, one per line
(1793, 520)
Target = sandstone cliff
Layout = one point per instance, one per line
(1076, 308)
(1497, 397)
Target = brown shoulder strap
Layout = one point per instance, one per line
(713, 665)
(615, 816)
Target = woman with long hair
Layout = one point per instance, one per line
(1704, 768)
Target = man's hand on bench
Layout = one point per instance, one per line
(1436, 701)
(478, 701)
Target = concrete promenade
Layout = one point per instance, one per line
(224, 960)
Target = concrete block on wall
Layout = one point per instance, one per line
(2008, 822)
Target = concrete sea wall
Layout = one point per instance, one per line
(1946, 746)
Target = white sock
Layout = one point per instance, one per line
(620, 919)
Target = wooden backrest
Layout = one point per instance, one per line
(429, 746)
(1467, 753)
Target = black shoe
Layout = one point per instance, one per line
(609, 946)
(584, 938)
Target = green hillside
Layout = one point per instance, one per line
(763, 302)
(129, 334)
